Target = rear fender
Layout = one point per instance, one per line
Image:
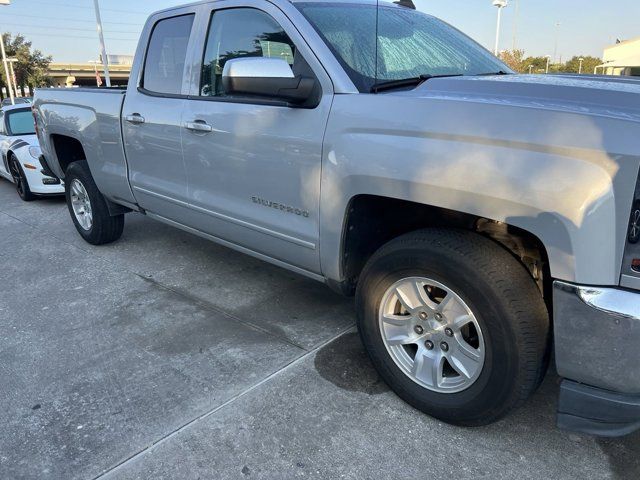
(98, 130)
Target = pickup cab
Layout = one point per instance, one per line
(481, 218)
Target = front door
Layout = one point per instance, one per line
(151, 120)
(253, 167)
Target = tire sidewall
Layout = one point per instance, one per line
(105, 228)
(494, 385)
(75, 172)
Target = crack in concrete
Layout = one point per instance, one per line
(210, 306)
(206, 305)
(40, 233)
(200, 302)
(140, 453)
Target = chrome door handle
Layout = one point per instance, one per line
(199, 126)
(135, 118)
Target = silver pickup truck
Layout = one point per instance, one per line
(481, 218)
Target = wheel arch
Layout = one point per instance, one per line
(67, 149)
(371, 221)
(10, 155)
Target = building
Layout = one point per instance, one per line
(623, 58)
(84, 74)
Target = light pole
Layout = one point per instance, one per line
(13, 75)
(105, 59)
(580, 69)
(548, 57)
(500, 4)
(4, 59)
(555, 48)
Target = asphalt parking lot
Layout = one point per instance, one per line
(166, 356)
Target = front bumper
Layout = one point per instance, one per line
(38, 185)
(596, 411)
(597, 346)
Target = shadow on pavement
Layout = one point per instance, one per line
(345, 364)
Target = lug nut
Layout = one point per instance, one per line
(429, 344)
(444, 346)
(448, 332)
(423, 315)
(438, 316)
(418, 329)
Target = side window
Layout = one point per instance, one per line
(238, 33)
(167, 54)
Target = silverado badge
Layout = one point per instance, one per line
(280, 206)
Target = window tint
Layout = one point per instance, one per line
(238, 33)
(166, 56)
(21, 122)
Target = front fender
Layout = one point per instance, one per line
(567, 179)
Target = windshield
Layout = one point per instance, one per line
(7, 101)
(20, 122)
(409, 43)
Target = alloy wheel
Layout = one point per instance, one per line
(81, 204)
(432, 335)
(18, 178)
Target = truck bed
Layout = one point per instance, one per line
(95, 114)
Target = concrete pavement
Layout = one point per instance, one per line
(166, 356)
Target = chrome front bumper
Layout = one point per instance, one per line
(597, 336)
(597, 346)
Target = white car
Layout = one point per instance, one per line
(20, 152)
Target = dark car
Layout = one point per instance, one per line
(18, 100)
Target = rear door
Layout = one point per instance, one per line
(151, 116)
(254, 177)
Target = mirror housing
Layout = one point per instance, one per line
(266, 77)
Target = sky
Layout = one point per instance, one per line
(66, 30)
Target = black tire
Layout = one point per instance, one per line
(104, 228)
(20, 180)
(505, 300)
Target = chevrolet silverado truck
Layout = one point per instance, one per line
(481, 218)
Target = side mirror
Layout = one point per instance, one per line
(266, 77)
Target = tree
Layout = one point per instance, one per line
(518, 62)
(31, 67)
(538, 64)
(588, 65)
(514, 59)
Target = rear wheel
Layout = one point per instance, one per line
(88, 207)
(20, 180)
(454, 324)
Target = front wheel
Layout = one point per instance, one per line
(88, 207)
(454, 324)
(20, 180)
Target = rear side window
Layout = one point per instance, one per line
(167, 54)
